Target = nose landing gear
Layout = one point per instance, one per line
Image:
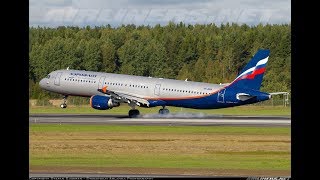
(64, 103)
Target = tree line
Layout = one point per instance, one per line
(205, 53)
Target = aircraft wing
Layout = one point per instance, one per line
(125, 97)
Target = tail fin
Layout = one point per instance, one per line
(250, 77)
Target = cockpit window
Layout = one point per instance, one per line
(48, 76)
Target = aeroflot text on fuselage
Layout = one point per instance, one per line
(83, 74)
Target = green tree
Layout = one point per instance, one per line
(108, 51)
(92, 58)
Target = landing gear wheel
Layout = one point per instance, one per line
(164, 111)
(63, 105)
(133, 113)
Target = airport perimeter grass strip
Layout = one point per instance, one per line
(109, 146)
(267, 160)
(158, 129)
(123, 109)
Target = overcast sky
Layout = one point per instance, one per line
(53, 13)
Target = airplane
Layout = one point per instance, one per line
(108, 90)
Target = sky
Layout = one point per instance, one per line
(53, 13)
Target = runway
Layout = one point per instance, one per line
(156, 119)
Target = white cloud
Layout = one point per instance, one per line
(150, 12)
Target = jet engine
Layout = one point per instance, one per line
(102, 102)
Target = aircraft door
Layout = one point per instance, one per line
(157, 89)
(57, 79)
(101, 81)
(220, 97)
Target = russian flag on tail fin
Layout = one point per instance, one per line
(250, 77)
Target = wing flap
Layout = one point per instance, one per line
(125, 97)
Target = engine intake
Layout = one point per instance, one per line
(102, 102)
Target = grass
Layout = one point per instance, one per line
(214, 147)
(71, 128)
(267, 161)
(123, 109)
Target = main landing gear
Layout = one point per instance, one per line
(64, 103)
(133, 113)
(164, 110)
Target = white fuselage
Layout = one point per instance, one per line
(87, 83)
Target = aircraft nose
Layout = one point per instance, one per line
(42, 83)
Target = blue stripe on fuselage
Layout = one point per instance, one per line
(208, 102)
(213, 102)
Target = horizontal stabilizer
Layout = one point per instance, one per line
(277, 93)
(244, 96)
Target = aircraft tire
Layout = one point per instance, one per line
(164, 111)
(133, 113)
(63, 105)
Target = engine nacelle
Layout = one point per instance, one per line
(102, 102)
